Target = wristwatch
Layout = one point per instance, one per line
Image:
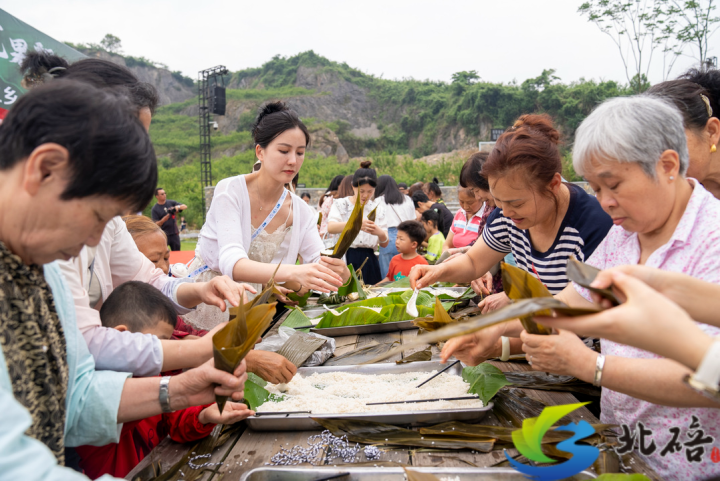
(165, 394)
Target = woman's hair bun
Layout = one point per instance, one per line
(365, 164)
(270, 108)
(539, 122)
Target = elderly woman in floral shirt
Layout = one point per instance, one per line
(633, 153)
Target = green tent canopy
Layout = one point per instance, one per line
(16, 39)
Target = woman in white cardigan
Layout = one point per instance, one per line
(255, 223)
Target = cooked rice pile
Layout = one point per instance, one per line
(345, 392)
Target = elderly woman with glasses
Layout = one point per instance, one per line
(633, 152)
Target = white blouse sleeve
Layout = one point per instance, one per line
(227, 223)
(311, 245)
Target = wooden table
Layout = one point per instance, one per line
(250, 449)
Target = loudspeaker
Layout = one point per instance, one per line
(217, 101)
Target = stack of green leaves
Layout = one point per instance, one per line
(392, 308)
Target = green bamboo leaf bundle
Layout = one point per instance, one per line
(232, 343)
(350, 231)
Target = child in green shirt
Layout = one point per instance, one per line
(435, 238)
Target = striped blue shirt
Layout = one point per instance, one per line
(583, 228)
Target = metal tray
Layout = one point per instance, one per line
(389, 474)
(303, 422)
(365, 329)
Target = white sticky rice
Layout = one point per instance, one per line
(345, 392)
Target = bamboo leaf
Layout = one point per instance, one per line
(520, 284)
(584, 274)
(362, 355)
(424, 355)
(485, 380)
(301, 300)
(358, 316)
(232, 343)
(297, 318)
(413, 475)
(372, 214)
(299, 347)
(439, 318)
(517, 309)
(352, 285)
(622, 477)
(350, 231)
(550, 382)
(368, 432)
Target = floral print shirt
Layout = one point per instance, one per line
(694, 249)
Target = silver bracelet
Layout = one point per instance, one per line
(599, 364)
(165, 394)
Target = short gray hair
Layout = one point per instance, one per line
(631, 129)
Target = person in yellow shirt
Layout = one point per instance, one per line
(435, 239)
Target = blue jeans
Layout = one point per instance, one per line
(387, 253)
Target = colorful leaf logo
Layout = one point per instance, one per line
(528, 442)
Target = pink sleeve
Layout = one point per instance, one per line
(597, 259)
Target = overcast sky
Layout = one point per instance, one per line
(502, 40)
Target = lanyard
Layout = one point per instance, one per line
(270, 216)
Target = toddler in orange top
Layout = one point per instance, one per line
(410, 235)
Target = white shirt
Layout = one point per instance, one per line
(395, 214)
(117, 260)
(341, 210)
(225, 238)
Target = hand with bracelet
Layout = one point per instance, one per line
(145, 397)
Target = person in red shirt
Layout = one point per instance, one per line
(139, 307)
(410, 235)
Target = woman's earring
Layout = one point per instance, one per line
(713, 149)
(672, 177)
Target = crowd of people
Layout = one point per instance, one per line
(104, 353)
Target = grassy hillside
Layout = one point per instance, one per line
(412, 117)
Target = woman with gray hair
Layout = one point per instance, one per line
(633, 152)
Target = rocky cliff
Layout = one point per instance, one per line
(171, 87)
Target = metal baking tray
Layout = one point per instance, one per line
(365, 329)
(303, 422)
(389, 474)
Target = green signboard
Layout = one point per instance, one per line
(16, 39)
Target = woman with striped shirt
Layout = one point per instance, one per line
(540, 219)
